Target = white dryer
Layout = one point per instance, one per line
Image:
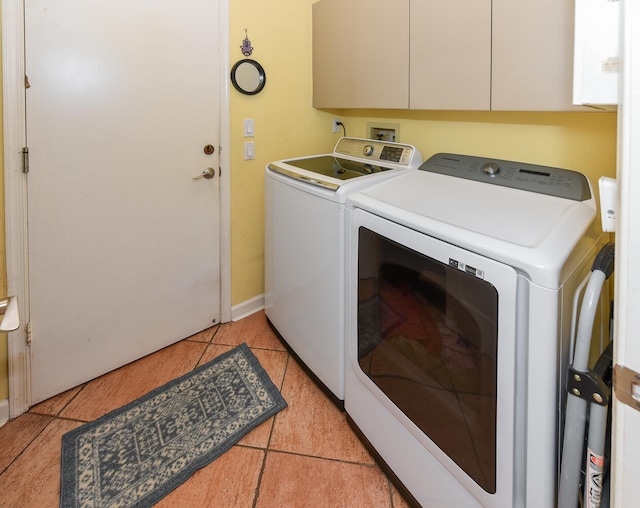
(305, 247)
(460, 285)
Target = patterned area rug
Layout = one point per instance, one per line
(137, 454)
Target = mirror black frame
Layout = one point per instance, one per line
(262, 77)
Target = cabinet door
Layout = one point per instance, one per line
(361, 54)
(333, 40)
(532, 67)
(450, 54)
(381, 54)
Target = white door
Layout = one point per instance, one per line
(122, 99)
(625, 487)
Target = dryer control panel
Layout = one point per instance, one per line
(562, 183)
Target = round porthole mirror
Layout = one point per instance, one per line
(248, 77)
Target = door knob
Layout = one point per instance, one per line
(206, 173)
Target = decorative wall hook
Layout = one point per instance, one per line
(246, 45)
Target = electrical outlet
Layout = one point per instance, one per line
(336, 125)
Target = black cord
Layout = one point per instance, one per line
(344, 129)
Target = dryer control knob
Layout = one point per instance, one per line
(367, 150)
(490, 168)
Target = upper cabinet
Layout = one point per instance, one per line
(532, 55)
(596, 61)
(361, 54)
(444, 55)
(450, 62)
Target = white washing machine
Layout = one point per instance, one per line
(460, 285)
(305, 247)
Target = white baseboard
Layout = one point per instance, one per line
(246, 308)
(4, 411)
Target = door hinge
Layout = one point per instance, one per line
(25, 159)
(626, 386)
(27, 329)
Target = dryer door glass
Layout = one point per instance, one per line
(427, 337)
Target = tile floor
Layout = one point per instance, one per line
(305, 456)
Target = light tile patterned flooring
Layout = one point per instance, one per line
(305, 456)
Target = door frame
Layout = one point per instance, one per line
(625, 490)
(17, 258)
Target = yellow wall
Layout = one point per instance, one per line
(584, 142)
(286, 126)
(285, 123)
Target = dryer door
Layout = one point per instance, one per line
(433, 338)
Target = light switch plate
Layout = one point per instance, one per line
(249, 151)
(248, 128)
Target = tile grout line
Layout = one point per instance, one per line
(266, 449)
(304, 455)
(53, 418)
(24, 449)
(268, 445)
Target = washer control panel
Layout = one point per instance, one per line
(562, 183)
(379, 151)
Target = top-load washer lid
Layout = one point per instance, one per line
(337, 167)
(528, 216)
(352, 158)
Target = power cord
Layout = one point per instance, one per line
(344, 129)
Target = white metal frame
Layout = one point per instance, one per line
(15, 190)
